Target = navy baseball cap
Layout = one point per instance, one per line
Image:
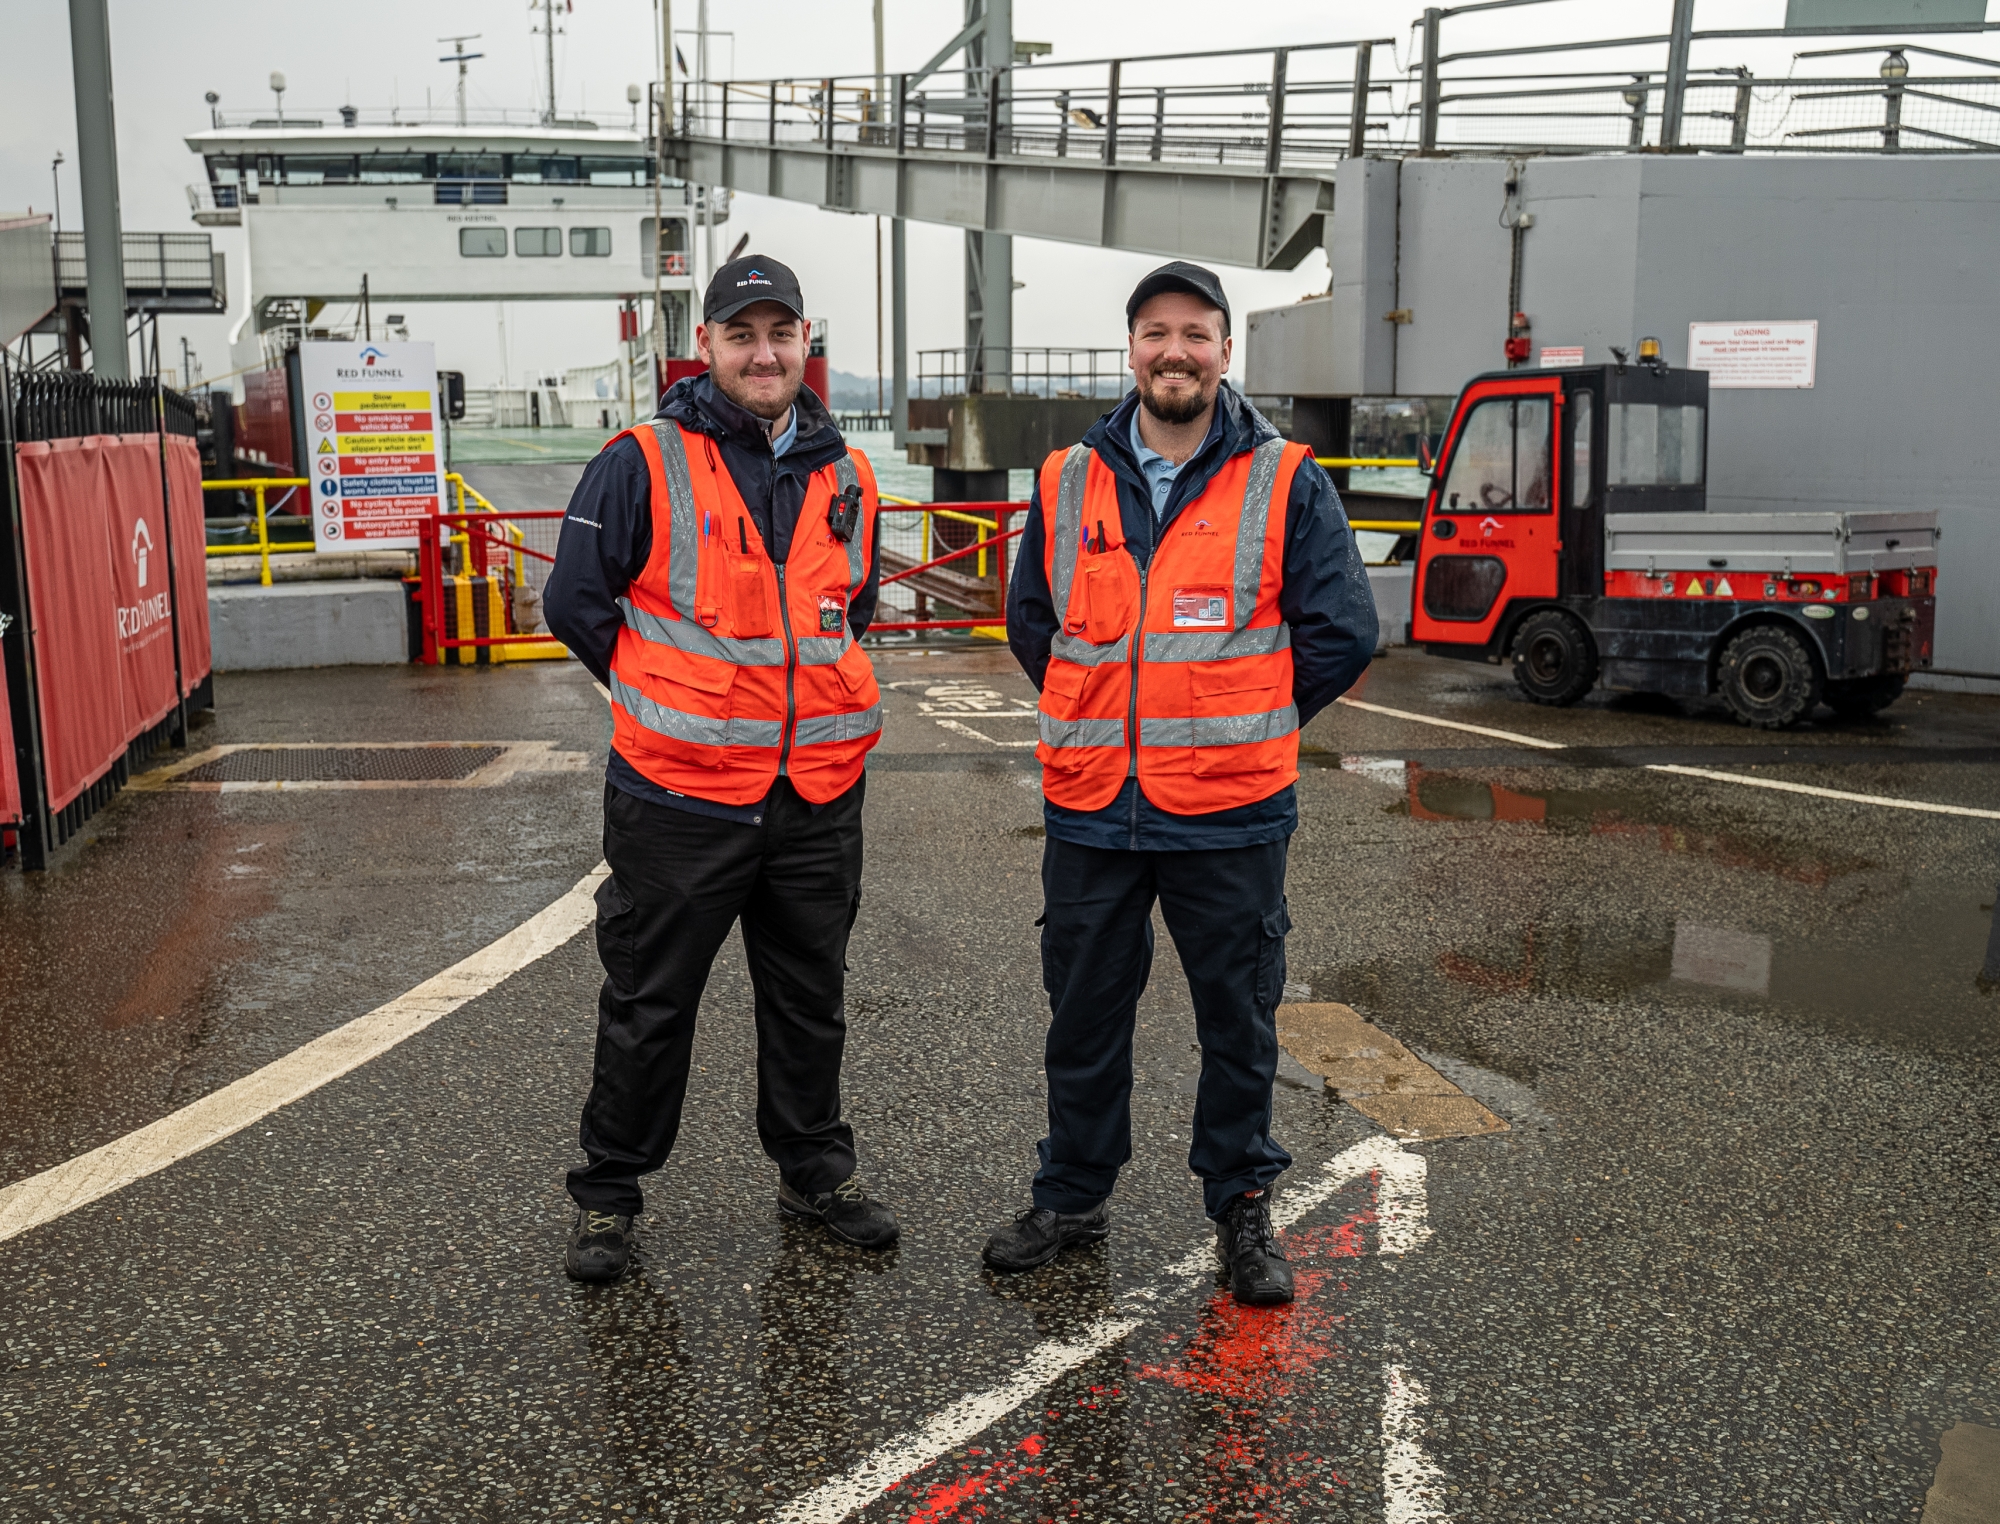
(1178, 275)
(744, 282)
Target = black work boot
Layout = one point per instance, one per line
(600, 1246)
(1038, 1235)
(1259, 1275)
(846, 1212)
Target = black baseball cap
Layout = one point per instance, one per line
(1178, 275)
(743, 282)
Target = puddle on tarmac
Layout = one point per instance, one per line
(1428, 794)
(1800, 930)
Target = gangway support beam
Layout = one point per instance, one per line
(97, 166)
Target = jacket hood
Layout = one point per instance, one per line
(1239, 425)
(696, 404)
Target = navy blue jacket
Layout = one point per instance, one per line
(1325, 599)
(607, 537)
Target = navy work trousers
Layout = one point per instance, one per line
(678, 882)
(1226, 912)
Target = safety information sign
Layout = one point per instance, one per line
(1777, 357)
(371, 438)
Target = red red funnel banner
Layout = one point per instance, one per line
(10, 782)
(103, 604)
(190, 557)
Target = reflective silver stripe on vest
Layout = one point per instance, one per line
(1220, 729)
(1217, 645)
(1069, 530)
(1060, 733)
(818, 729)
(1079, 652)
(1251, 525)
(696, 729)
(823, 650)
(686, 635)
(684, 543)
(857, 567)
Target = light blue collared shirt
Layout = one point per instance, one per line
(785, 440)
(1155, 467)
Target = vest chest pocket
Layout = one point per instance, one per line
(751, 604)
(1110, 597)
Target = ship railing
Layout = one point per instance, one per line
(1308, 106)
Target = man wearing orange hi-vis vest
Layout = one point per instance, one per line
(716, 569)
(1187, 596)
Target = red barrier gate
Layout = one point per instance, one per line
(485, 542)
(961, 588)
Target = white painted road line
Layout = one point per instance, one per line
(42, 1198)
(1884, 800)
(1412, 1485)
(1478, 730)
(963, 729)
(1400, 1209)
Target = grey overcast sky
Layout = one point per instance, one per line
(373, 54)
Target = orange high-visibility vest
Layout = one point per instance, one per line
(732, 669)
(1180, 674)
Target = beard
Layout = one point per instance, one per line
(1175, 409)
(738, 389)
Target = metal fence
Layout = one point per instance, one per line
(157, 266)
(39, 406)
(1023, 372)
(1304, 108)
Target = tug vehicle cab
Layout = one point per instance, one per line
(1565, 531)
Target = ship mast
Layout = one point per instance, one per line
(459, 56)
(548, 31)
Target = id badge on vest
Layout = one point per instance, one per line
(1201, 608)
(832, 610)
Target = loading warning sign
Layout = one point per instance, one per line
(373, 411)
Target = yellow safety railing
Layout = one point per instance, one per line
(258, 485)
(1374, 462)
(987, 527)
(264, 549)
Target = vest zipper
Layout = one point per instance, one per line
(1138, 638)
(791, 669)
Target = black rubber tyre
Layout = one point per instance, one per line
(1856, 698)
(1555, 660)
(1768, 678)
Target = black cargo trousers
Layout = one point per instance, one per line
(678, 882)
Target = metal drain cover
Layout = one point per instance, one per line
(343, 764)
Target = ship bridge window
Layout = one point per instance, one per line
(391, 168)
(222, 172)
(604, 171)
(469, 166)
(589, 243)
(538, 243)
(318, 169)
(533, 169)
(482, 243)
(1654, 446)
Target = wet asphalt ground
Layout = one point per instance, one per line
(1733, 1260)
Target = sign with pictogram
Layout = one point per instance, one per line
(374, 441)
